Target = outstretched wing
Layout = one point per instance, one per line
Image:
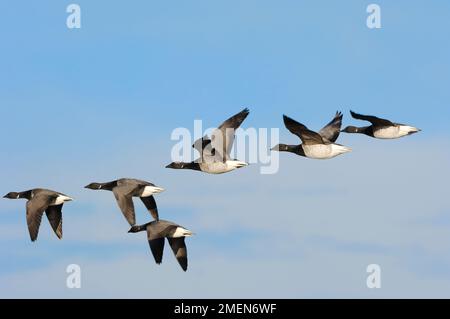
(157, 248)
(307, 136)
(372, 119)
(204, 147)
(311, 138)
(201, 143)
(35, 209)
(150, 203)
(223, 137)
(332, 130)
(54, 216)
(293, 126)
(124, 198)
(180, 251)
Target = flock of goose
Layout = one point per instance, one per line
(215, 159)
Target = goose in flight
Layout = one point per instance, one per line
(315, 145)
(380, 128)
(158, 231)
(125, 189)
(215, 152)
(40, 201)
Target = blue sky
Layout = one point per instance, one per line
(101, 102)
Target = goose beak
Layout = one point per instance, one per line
(159, 190)
(171, 165)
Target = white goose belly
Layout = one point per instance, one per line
(388, 133)
(216, 168)
(324, 151)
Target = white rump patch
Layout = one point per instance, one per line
(182, 232)
(151, 190)
(61, 199)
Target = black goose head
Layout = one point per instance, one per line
(285, 148)
(94, 186)
(351, 129)
(12, 195)
(280, 148)
(181, 165)
(17, 195)
(137, 229)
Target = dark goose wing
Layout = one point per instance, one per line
(156, 233)
(54, 216)
(223, 137)
(204, 147)
(35, 209)
(307, 136)
(201, 143)
(179, 249)
(150, 203)
(293, 126)
(124, 198)
(332, 130)
(157, 248)
(372, 119)
(311, 138)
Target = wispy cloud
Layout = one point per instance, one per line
(277, 236)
